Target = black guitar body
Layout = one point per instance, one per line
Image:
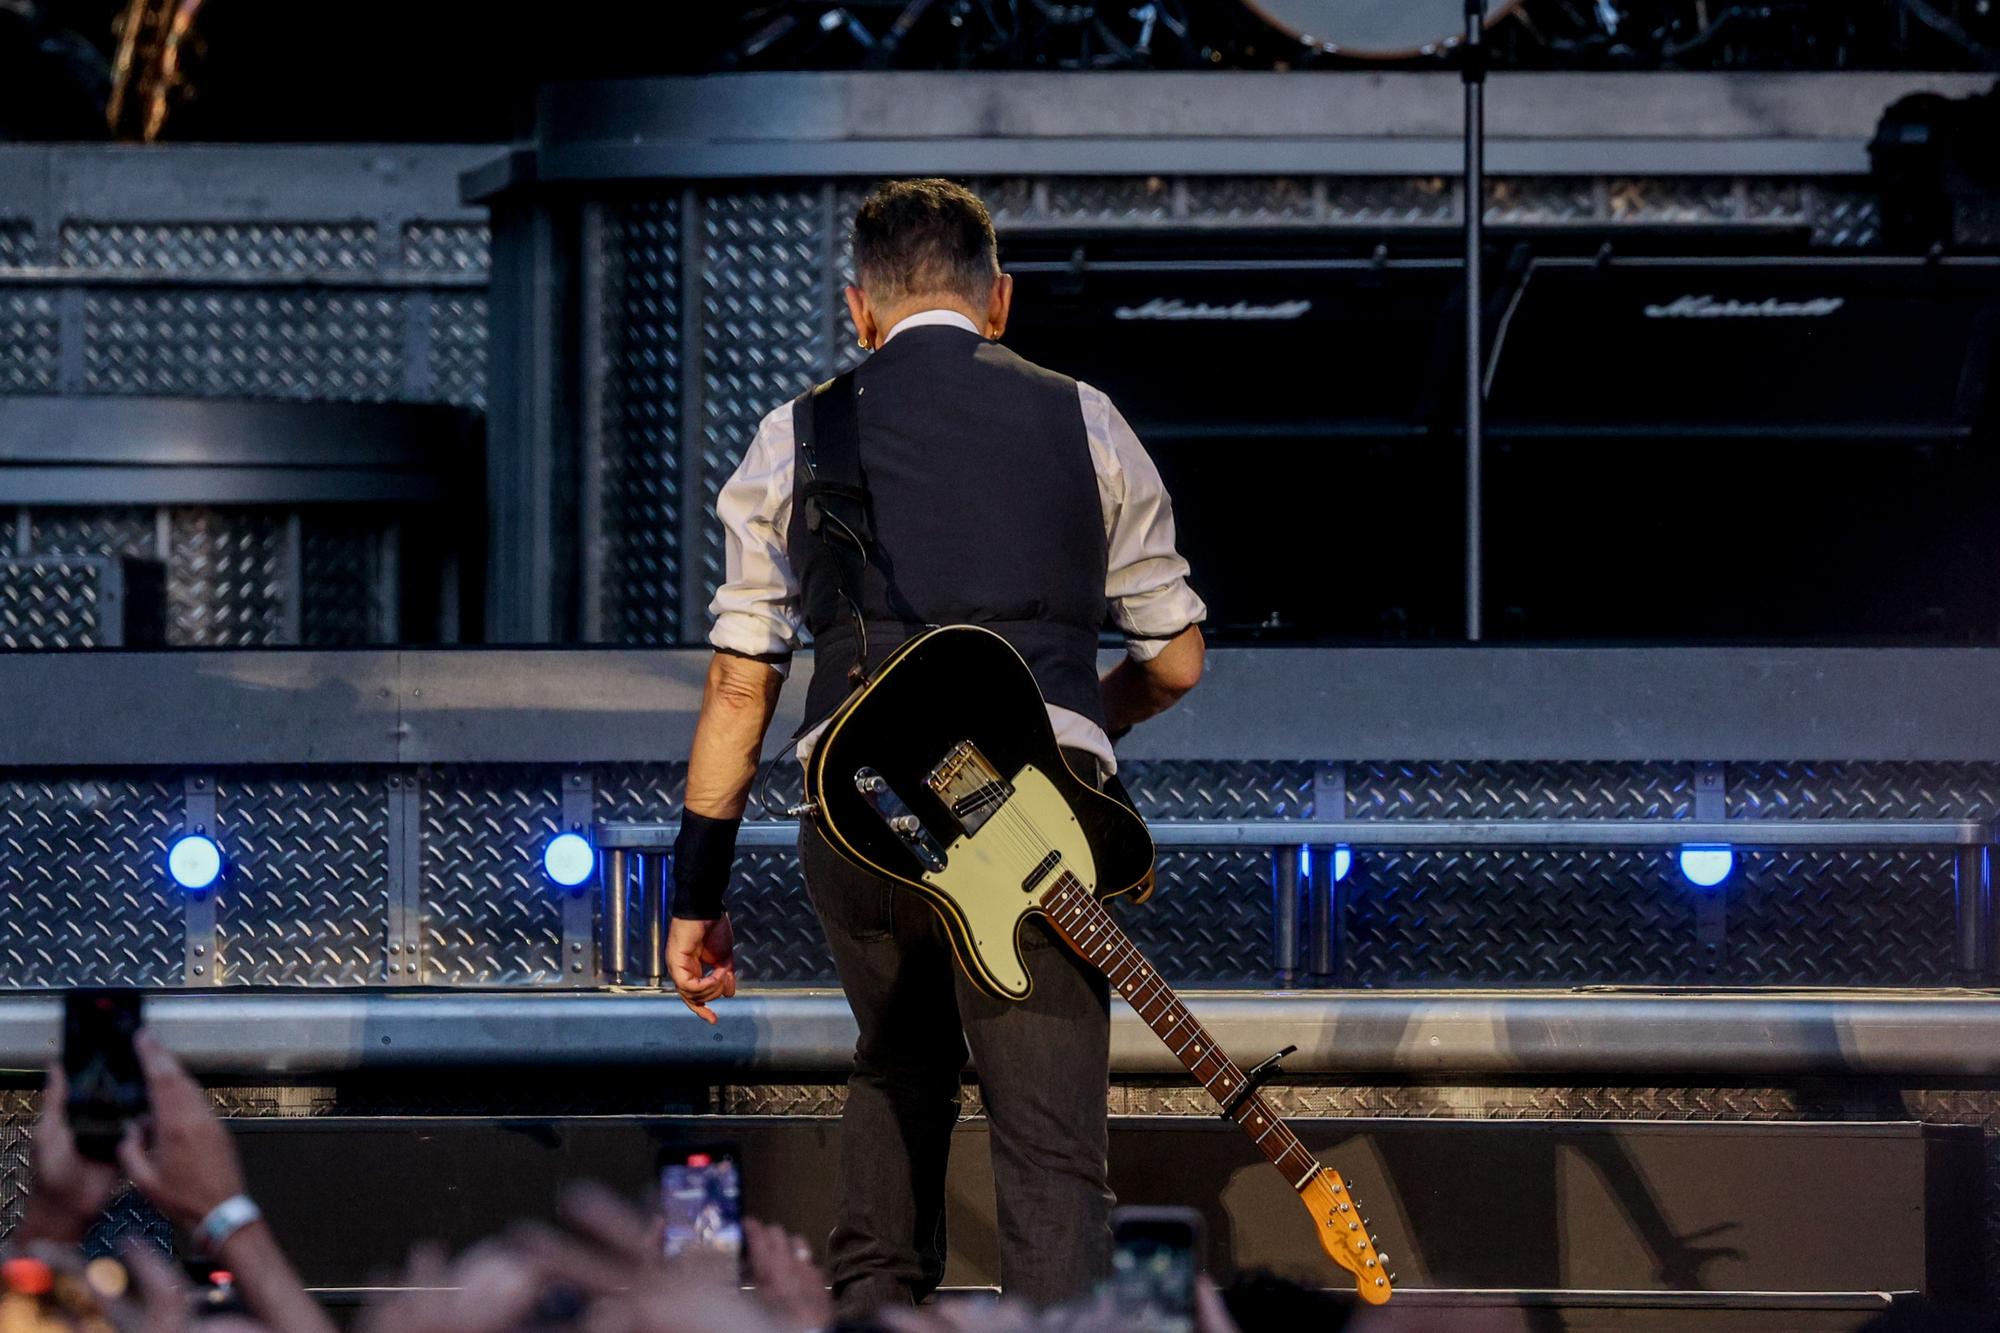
(942, 689)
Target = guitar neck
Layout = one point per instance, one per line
(1088, 928)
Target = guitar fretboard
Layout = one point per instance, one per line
(1083, 922)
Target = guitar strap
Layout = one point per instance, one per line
(834, 498)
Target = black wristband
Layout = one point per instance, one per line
(703, 852)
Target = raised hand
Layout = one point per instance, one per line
(187, 1165)
(69, 1190)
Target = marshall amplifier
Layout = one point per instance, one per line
(1293, 408)
(1753, 450)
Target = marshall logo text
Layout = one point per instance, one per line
(1707, 307)
(1162, 307)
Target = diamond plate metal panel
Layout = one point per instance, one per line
(1209, 921)
(53, 602)
(1655, 199)
(28, 342)
(1843, 219)
(83, 875)
(307, 901)
(1627, 917)
(1176, 789)
(226, 578)
(1379, 789)
(220, 247)
(1390, 200)
(448, 247)
(764, 319)
(1252, 200)
(458, 349)
(1842, 918)
(640, 793)
(340, 579)
(489, 915)
(18, 1109)
(1863, 791)
(1513, 918)
(1110, 200)
(1525, 200)
(17, 243)
(779, 934)
(261, 344)
(130, 532)
(641, 413)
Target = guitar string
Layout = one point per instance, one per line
(1024, 837)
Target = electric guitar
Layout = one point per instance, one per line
(942, 774)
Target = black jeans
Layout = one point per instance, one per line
(1043, 1068)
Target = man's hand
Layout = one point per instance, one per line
(701, 962)
(69, 1189)
(189, 1166)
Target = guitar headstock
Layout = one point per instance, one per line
(1343, 1234)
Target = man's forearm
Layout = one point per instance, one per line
(1134, 691)
(736, 709)
(269, 1285)
(1130, 697)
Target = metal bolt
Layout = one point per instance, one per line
(197, 969)
(200, 949)
(576, 967)
(394, 969)
(576, 948)
(395, 948)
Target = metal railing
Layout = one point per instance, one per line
(1309, 896)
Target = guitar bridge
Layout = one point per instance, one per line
(968, 785)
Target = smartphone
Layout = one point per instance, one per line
(1155, 1255)
(701, 1201)
(107, 1089)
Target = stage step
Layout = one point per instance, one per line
(1656, 1213)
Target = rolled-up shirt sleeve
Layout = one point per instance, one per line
(1146, 579)
(756, 610)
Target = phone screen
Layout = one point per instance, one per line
(701, 1199)
(1154, 1259)
(107, 1090)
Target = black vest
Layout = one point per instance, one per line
(985, 510)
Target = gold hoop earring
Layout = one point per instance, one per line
(862, 343)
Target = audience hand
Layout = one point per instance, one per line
(68, 1190)
(490, 1289)
(789, 1284)
(190, 1165)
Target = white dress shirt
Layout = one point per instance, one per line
(756, 609)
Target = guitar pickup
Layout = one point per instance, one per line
(1043, 869)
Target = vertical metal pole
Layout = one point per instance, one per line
(1320, 922)
(1972, 889)
(1285, 914)
(1473, 68)
(653, 911)
(591, 410)
(614, 919)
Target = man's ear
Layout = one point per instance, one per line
(999, 304)
(863, 315)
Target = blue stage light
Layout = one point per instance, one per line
(569, 859)
(1707, 867)
(194, 861)
(1343, 861)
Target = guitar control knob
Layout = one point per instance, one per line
(871, 783)
(906, 825)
